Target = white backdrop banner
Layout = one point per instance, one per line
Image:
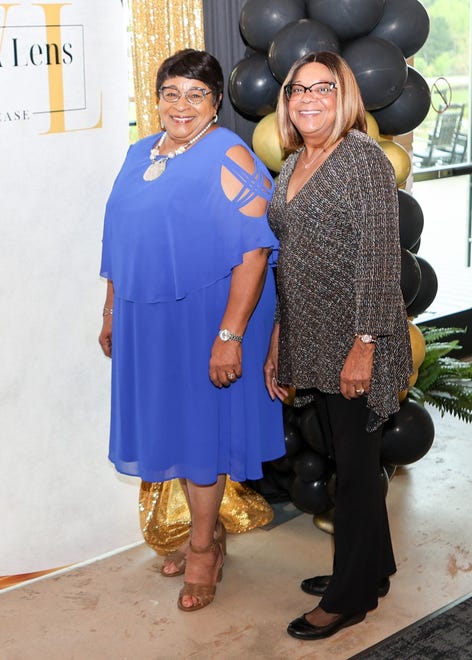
(63, 136)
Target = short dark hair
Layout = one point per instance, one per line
(196, 64)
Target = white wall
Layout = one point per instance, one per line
(63, 135)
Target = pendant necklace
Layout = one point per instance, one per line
(158, 166)
(303, 175)
(314, 160)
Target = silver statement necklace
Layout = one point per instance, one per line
(158, 166)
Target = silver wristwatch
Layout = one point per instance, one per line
(226, 335)
(367, 339)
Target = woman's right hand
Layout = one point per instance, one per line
(104, 338)
(270, 368)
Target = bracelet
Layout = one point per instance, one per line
(108, 311)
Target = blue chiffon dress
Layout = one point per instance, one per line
(169, 246)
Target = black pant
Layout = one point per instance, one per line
(363, 553)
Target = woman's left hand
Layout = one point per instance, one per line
(271, 365)
(225, 362)
(357, 370)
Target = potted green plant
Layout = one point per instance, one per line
(444, 381)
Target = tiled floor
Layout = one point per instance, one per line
(120, 608)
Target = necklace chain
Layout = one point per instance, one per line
(313, 160)
(305, 174)
(154, 153)
(157, 167)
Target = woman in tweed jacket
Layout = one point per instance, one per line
(341, 335)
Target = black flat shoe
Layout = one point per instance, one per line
(303, 629)
(316, 586)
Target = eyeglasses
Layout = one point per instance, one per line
(321, 89)
(194, 95)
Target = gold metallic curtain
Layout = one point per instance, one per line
(165, 518)
(159, 28)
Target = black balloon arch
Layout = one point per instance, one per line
(375, 37)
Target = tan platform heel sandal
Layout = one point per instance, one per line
(203, 593)
(179, 557)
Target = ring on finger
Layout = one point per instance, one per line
(230, 374)
(360, 391)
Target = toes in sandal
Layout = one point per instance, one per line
(202, 594)
(178, 559)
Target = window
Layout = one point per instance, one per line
(442, 165)
(444, 61)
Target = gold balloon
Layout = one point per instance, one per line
(418, 345)
(266, 145)
(325, 521)
(399, 158)
(289, 399)
(372, 127)
(411, 381)
(413, 378)
(418, 352)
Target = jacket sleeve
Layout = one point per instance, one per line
(378, 267)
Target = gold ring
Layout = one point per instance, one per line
(230, 374)
(361, 391)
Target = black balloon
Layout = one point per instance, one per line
(410, 276)
(253, 90)
(405, 23)
(348, 18)
(284, 482)
(385, 480)
(408, 435)
(310, 466)
(297, 39)
(291, 416)
(293, 440)
(311, 497)
(414, 248)
(408, 110)
(260, 20)
(248, 51)
(427, 290)
(411, 219)
(282, 464)
(380, 70)
(311, 431)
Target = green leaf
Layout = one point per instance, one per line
(432, 334)
(443, 381)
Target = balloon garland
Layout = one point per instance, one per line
(375, 37)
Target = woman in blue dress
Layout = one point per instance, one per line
(186, 250)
